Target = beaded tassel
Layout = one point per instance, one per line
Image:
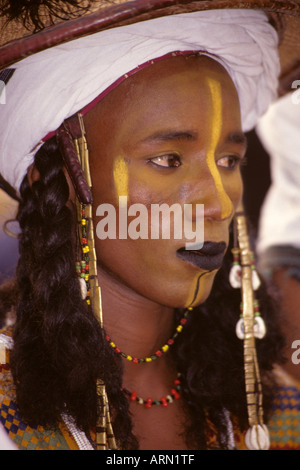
(83, 266)
(90, 290)
(257, 436)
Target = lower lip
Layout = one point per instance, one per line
(205, 262)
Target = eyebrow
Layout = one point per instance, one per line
(171, 135)
(237, 138)
(163, 136)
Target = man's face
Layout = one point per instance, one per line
(170, 134)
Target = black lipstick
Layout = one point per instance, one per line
(208, 258)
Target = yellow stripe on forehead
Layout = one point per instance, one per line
(216, 127)
(120, 174)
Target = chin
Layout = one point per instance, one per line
(201, 288)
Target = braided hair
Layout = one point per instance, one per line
(58, 344)
(59, 349)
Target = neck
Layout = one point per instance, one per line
(138, 326)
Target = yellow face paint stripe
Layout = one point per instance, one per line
(120, 174)
(216, 127)
(195, 293)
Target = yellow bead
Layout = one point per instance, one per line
(165, 348)
(86, 277)
(83, 221)
(112, 344)
(179, 328)
(148, 359)
(88, 302)
(129, 358)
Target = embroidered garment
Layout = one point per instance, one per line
(284, 425)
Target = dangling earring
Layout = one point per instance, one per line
(235, 275)
(249, 327)
(235, 279)
(73, 146)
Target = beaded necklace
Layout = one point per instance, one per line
(164, 401)
(160, 351)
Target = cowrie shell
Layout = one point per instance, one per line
(239, 329)
(259, 328)
(83, 288)
(255, 280)
(257, 437)
(235, 276)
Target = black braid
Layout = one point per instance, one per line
(58, 343)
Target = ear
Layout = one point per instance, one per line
(33, 174)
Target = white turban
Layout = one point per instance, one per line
(52, 85)
(279, 131)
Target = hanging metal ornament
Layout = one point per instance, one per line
(257, 436)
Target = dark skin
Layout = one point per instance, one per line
(163, 135)
(169, 134)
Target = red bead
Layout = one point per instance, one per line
(175, 393)
(183, 321)
(118, 350)
(158, 353)
(177, 382)
(107, 338)
(133, 396)
(171, 341)
(135, 360)
(148, 403)
(164, 401)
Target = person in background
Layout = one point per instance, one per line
(278, 245)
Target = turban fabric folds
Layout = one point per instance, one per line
(54, 84)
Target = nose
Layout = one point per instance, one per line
(217, 203)
(207, 188)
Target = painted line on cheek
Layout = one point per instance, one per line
(195, 290)
(120, 175)
(216, 126)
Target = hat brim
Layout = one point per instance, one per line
(19, 42)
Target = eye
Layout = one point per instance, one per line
(166, 161)
(229, 161)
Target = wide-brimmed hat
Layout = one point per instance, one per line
(30, 27)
